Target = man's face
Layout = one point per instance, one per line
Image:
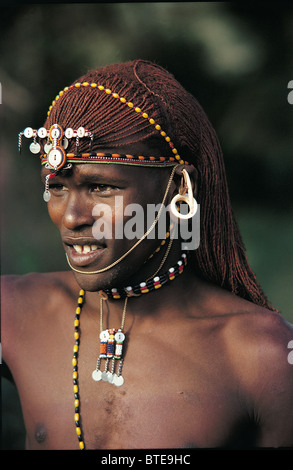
(90, 206)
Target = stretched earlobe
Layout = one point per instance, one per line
(192, 204)
(185, 195)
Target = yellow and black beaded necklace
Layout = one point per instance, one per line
(112, 339)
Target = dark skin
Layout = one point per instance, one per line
(203, 367)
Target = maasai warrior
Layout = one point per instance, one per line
(147, 341)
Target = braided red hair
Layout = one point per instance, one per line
(221, 256)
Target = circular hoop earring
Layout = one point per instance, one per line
(192, 204)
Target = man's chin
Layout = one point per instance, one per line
(89, 282)
(96, 282)
(128, 272)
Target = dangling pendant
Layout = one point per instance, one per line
(107, 375)
(119, 338)
(111, 345)
(118, 380)
(35, 146)
(46, 193)
(97, 373)
(46, 196)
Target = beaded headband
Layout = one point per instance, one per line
(57, 139)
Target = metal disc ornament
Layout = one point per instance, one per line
(35, 147)
(47, 148)
(46, 196)
(118, 380)
(104, 376)
(97, 375)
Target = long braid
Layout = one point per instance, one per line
(221, 254)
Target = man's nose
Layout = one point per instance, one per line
(78, 212)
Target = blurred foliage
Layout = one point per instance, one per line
(236, 58)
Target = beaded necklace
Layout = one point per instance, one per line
(111, 340)
(149, 285)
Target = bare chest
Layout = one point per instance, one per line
(158, 413)
(170, 399)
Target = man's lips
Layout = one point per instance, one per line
(83, 251)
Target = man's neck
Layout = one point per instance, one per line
(170, 297)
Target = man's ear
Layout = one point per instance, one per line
(193, 175)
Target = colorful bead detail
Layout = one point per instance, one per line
(163, 242)
(150, 285)
(55, 135)
(127, 103)
(100, 157)
(111, 349)
(79, 433)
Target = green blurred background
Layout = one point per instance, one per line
(236, 58)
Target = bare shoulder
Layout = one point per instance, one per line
(257, 345)
(17, 292)
(26, 301)
(258, 325)
(247, 328)
(260, 348)
(261, 335)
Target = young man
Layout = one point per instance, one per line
(139, 345)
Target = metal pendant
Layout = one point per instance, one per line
(35, 147)
(46, 196)
(47, 148)
(97, 375)
(118, 380)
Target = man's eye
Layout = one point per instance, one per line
(57, 187)
(101, 188)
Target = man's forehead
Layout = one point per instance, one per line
(117, 172)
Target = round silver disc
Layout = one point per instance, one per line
(118, 381)
(47, 148)
(97, 375)
(35, 147)
(104, 376)
(109, 377)
(46, 196)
